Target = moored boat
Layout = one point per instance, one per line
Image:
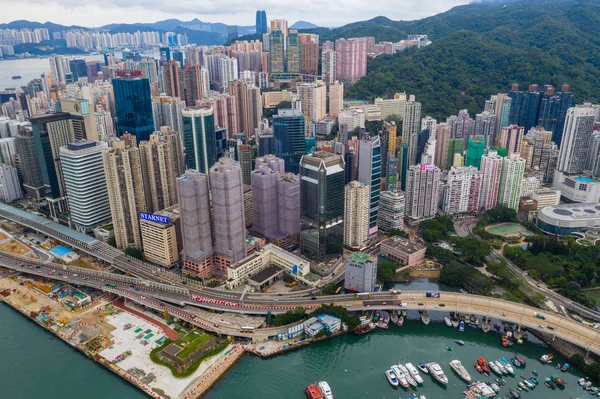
(478, 368)
(495, 387)
(547, 358)
(391, 377)
(459, 341)
(507, 366)
(436, 371)
(494, 367)
(549, 383)
(564, 367)
(557, 380)
(400, 320)
(481, 361)
(414, 373)
(400, 376)
(423, 368)
(514, 394)
(325, 389)
(515, 362)
(447, 321)
(520, 359)
(425, 318)
(501, 367)
(409, 377)
(313, 392)
(461, 326)
(460, 370)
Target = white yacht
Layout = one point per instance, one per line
(325, 389)
(436, 371)
(401, 377)
(391, 377)
(409, 377)
(414, 373)
(460, 370)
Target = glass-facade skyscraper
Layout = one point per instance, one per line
(261, 22)
(133, 104)
(199, 138)
(322, 178)
(288, 131)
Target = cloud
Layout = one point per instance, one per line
(240, 12)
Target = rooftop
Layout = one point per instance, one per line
(584, 179)
(403, 244)
(572, 211)
(265, 274)
(59, 250)
(360, 257)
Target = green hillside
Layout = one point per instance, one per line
(479, 49)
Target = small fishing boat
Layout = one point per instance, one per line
(495, 387)
(391, 377)
(514, 394)
(423, 368)
(459, 341)
(564, 367)
(549, 383)
(529, 384)
(501, 367)
(500, 381)
(407, 375)
(414, 373)
(547, 358)
(481, 361)
(534, 380)
(449, 348)
(461, 326)
(557, 380)
(400, 376)
(507, 366)
(394, 317)
(447, 321)
(516, 362)
(581, 381)
(478, 368)
(534, 372)
(523, 386)
(520, 359)
(494, 367)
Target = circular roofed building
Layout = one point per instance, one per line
(569, 218)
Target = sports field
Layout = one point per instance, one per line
(504, 229)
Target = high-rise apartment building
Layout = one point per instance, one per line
(133, 105)
(491, 169)
(309, 53)
(461, 194)
(193, 84)
(369, 173)
(162, 162)
(511, 138)
(411, 125)
(276, 202)
(511, 179)
(228, 71)
(351, 59)
(393, 106)
(391, 211)
(530, 108)
(85, 182)
(125, 192)
(328, 66)
(10, 187)
(289, 128)
(576, 139)
(59, 67)
(388, 145)
(566, 101)
(167, 111)
(170, 73)
(322, 205)
(485, 126)
(277, 44)
(475, 150)
(356, 215)
(196, 229)
(199, 138)
(442, 136)
(313, 98)
(227, 195)
(336, 98)
(422, 192)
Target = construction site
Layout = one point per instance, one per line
(109, 331)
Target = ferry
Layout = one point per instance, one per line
(414, 373)
(423, 368)
(409, 377)
(461, 326)
(436, 371)
(462, 372)
(312, 392)
(391, 377)
(400, 376)
(325, 389)
(481, 362)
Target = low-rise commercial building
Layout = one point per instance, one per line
(577, 188)
(360, 274)
(546, 197)
(269, 255)
(403, 251)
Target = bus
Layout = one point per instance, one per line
(247, 330)
(110, 285)
(432, 294)
(363, 295)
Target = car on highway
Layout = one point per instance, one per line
(550, 327)
(348, 305)
(541, 326)
(502, 314)
(420, 304)
(442, 305)
(384, 303)
(314, 298)
(539, 316)
(412, 297)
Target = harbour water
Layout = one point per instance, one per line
(35, 364)
(353, 365)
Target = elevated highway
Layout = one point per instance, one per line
(177, 303)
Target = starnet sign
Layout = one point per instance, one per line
(154, 218)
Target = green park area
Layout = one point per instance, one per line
(191, 342)
(507, 229)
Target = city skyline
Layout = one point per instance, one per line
(331, 14)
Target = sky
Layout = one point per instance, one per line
(329, 13)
